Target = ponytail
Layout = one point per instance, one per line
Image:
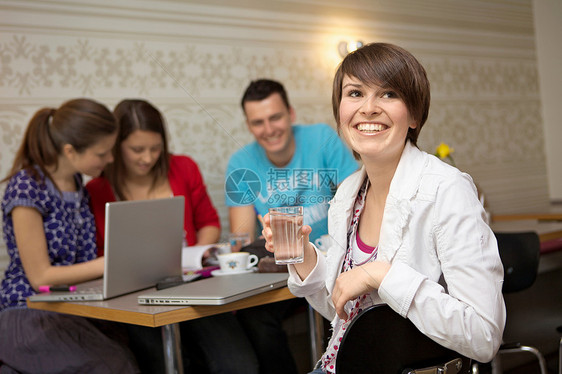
(79, 122)
(37, 147)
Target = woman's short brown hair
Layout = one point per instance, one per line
(387, 66)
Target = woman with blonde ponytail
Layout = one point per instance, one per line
(50, 235)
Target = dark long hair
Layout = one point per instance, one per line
(133, 115)
(79, 122)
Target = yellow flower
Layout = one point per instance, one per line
(443, 151)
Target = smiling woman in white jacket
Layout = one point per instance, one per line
(407, 229)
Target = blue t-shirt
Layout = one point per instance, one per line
(69, 229)
(320, 163)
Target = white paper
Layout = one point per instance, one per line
(192, 256)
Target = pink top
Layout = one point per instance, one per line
(364, 247)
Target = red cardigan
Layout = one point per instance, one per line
(185, 180)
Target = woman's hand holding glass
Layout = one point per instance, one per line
(304, 268)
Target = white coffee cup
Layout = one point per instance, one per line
(237, 262)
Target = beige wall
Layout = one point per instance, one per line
(194, 59)
(548, 26)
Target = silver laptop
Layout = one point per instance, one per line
(216, 290)
(143, 244)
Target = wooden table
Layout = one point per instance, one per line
(547, 230)
(552, 213)
(126, 309)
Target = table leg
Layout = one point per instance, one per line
(316, 335)
(172, 348)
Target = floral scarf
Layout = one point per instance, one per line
(353, 307)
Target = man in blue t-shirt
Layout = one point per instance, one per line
(286, 165)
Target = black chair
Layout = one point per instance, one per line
(380, 341)
(519, 253)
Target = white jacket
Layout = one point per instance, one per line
(433, 226)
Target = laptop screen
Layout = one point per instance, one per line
(143, 243)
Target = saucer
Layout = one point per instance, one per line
(220, 273)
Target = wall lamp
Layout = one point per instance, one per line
(347, 47)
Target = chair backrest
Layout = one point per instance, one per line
(379, 341)
(519, 253)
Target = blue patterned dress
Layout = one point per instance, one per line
(68, 223)
(37, 341)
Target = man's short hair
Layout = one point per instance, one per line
(263, 88)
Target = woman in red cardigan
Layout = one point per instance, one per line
(143, 169)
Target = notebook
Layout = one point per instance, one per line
(143, 244)
(216, 290)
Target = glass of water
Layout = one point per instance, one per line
(286, 225)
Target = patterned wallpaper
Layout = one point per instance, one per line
(194, 59)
